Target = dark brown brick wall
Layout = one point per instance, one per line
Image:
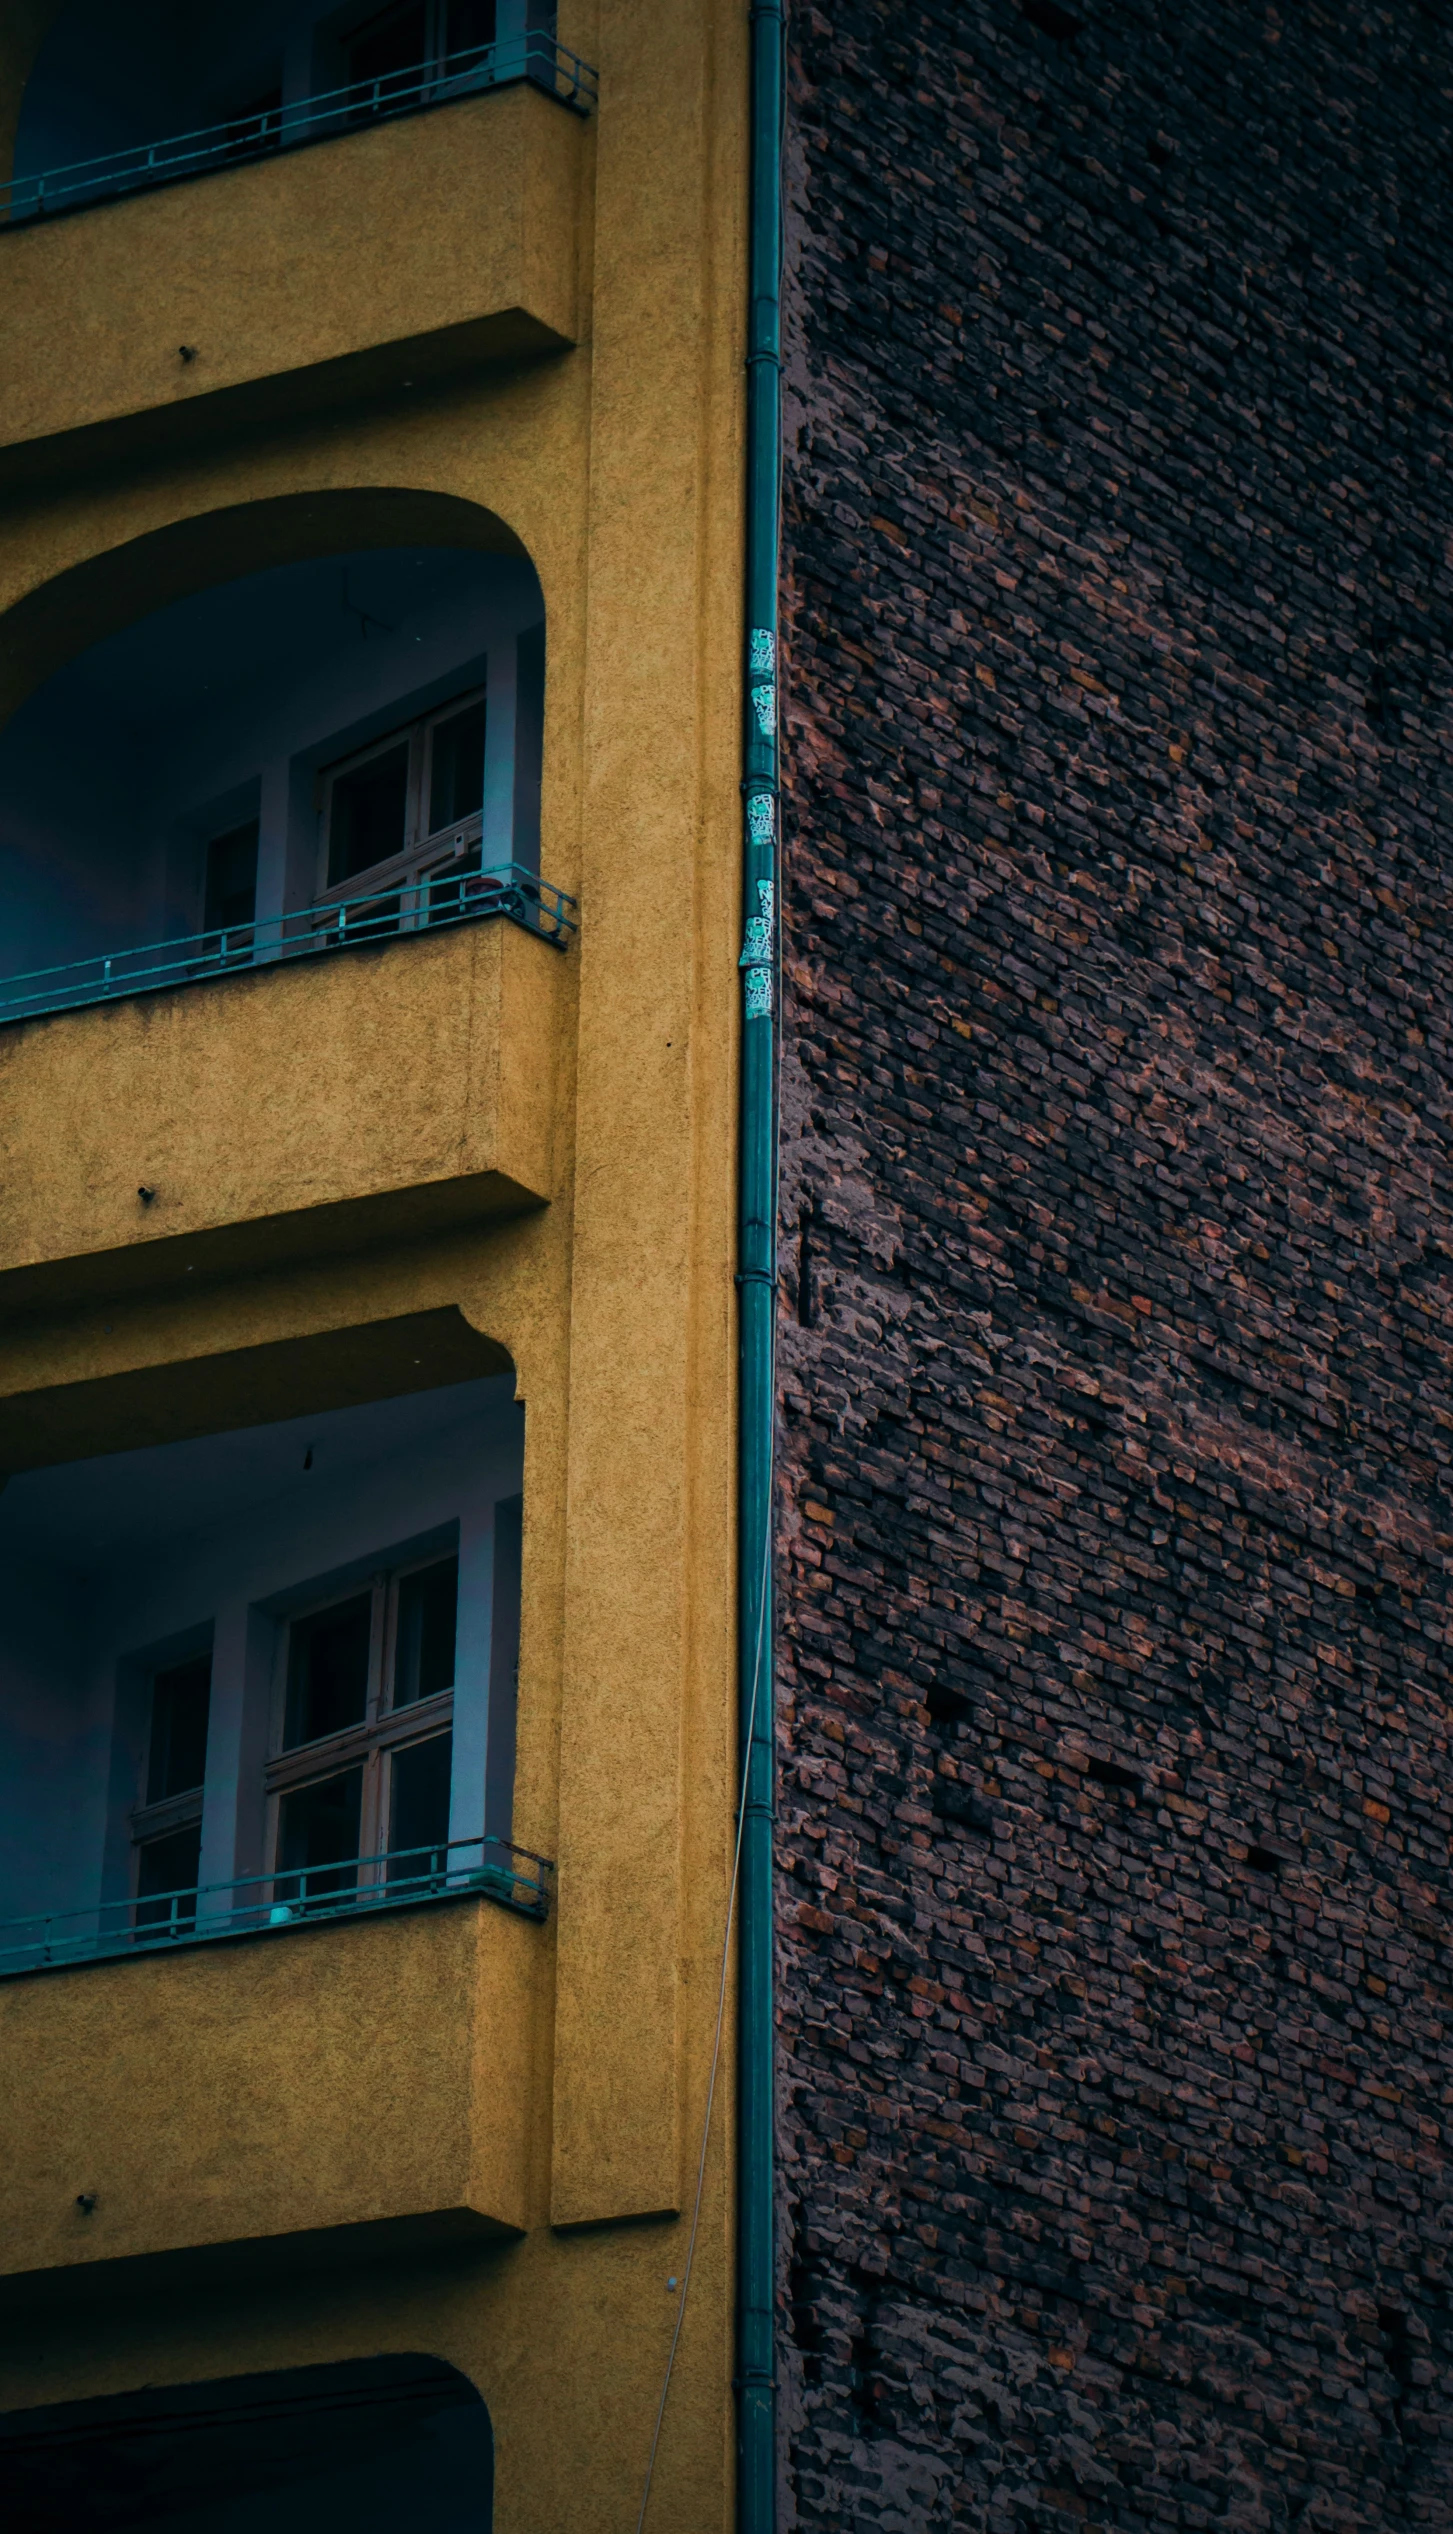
(1118, 1243)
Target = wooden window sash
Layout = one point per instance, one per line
(384, 1728)
(174, 1812)
(417, 837)
(313, 1761)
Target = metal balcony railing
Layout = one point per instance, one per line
(534, 56)
(425, 901)
(260, 1904)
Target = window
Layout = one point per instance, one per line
(469, 26)
(390, 47)
(166, 1828)
(420, 789)
(364, 1736)
(395, 48)
(229, 899)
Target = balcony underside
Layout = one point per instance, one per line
(256, 2261)
(402, 370)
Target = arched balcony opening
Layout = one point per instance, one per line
(344, 747)
(261, 1674)
(121, 100)
(356, 2444)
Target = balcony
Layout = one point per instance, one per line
(300, 122)
(443, 885)
(280, 973)
(269, 1953)
(304, 1108)
(362, 2084)
(370, 240)
(256, 1904)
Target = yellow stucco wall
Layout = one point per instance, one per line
(602, 1083)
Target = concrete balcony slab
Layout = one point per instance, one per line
(299, 1110)
(382, 262)
(271, 2099)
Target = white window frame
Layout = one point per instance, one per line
(383, 1730)
(425, 854)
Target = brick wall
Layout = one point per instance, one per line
(1118, 1259)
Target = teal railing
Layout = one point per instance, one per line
(426, 902)
(260, 1904)
(262, 130)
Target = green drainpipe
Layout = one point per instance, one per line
(757, 1280)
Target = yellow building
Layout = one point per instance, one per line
(371, 502)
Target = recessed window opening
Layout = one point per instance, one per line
(280, 1685)
(390, 44)
(166, 1827)
(229, 897)
(385, 51)
(181, 1699)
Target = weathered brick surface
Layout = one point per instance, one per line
(1118, 1237)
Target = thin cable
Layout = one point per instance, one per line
(726, 1946)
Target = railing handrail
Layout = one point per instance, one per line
(515, 1877)
(534, 56)
(432, 897)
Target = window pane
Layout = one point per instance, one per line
(424, 1654)
(469, 24)
(328, 1671)
(392, 42)
(419, 1808)
(169, 1865)
(231, 896)
(317, 1825)
(369, 810)
(177, 1758)
(456, 767)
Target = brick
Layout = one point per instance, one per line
(1118, 1242)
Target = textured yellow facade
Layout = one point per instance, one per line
(516, 331)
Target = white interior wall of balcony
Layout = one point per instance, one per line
(116, 1566)
(225, 706)
(109, 76)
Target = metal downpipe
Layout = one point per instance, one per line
(757, 1282)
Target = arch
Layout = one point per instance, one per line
(219, 732)
(114, 589)
(354, 2443)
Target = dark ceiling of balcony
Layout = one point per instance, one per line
(266, 629)
(91, 1515)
